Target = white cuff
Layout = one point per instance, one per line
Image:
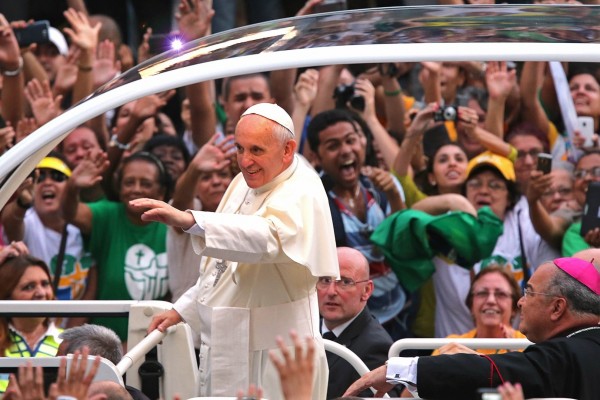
(198, 228)
(403, 370)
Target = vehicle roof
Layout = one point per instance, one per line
(432, 33)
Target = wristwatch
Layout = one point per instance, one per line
(24, 206)
(114, 142)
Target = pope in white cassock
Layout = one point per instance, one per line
(262, 252)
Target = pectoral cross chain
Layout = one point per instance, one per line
(221, 268)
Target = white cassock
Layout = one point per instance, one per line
(275, 241)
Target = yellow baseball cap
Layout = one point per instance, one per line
(55, 164)
(502, 164)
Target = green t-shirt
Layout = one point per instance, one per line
(573, 241)
(132, 259)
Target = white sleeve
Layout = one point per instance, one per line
(198, 228)
(403, 370)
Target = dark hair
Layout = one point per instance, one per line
(514, 286)
(168, 140)
(164, 179)
(11, 271)
(227, 82)
(99, 138)
(580, 299)
(529, 129)
(513, 190)
(324, 120)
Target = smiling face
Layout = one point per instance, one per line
(580, 185)
(341, 153)
(586, 95)
(449, 167)
(487, 188)
(492, 303)
(261, 153)
(33, 285)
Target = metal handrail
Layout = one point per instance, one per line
(430, 344)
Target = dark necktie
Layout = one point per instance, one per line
(329, 336)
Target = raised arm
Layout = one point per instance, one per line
(550, 228)
(386, 144)
(87, 173)
(499, 82)
(413, 139)
(193, 20)
(85, 37)
(14, 212)
(11, 66)
(531, 82)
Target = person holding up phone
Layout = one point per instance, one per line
(587, 172)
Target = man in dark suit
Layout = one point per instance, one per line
(342, 305)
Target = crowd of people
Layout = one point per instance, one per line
(392, 200)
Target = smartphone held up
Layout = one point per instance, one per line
(544, 163)
(36, 32)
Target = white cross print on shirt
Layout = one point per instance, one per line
(221, 268)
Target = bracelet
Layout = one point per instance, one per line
(85, 68)
(114, 142)
(392, 93)
(14, 72)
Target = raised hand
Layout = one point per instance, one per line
(43, 105)
(66, 74)
(14, 249)
(82, 33)
(24, 127)
(28, 386)
(306, 88)
(106, 66)
(295, 373)
(193, 18)
(9, 48)
(7, 137)
(89, 171)
(77, 382)
(214, 154)
(499, 80)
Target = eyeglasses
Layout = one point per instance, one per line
(498, 294)
(494, 186)
(529, 293)
(561, 191)
(582, 173)
(533, 153)
(343, 283)
(55, 175)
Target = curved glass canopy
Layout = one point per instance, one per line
(435, 33)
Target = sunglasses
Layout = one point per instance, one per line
(56, 176)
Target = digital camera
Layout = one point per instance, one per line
(447, 113)
(345, 94)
